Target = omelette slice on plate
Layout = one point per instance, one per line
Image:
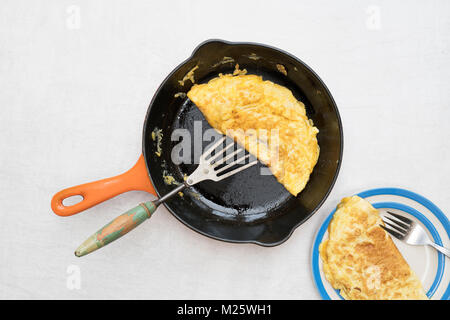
(361, 260)
(266, 119)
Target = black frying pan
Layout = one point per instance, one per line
(247, 207)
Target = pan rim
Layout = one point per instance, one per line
(334, 105)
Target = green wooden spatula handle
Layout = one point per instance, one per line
(123, 224)
(117, 228)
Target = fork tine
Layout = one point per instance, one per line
(232, 164)
(226, 175)
(398, 223)
(399, 217)
(210, 149)
(392, 233)
(400, 230)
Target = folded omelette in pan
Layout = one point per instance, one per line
(361, 260)
(267, 120)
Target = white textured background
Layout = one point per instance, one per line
(73, 99)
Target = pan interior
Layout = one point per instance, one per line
(248, 195)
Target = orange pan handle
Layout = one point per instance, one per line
(95, 192)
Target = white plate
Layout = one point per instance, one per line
(432, 268)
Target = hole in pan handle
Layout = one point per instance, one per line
(96, 192)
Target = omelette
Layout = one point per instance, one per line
(266, 119)
(361, 260)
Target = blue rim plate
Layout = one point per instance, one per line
(430, 266)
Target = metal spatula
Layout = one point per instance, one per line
(211, 167)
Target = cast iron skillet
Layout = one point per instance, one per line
(247, 207)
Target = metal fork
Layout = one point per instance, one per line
(409, 231)
(211, 167)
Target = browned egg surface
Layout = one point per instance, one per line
(361, 260)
